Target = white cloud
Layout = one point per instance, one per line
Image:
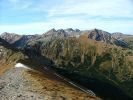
(22, 28)
(82, 14)
(40, 27)
(20, 4)
(94, 8)
(57, 23)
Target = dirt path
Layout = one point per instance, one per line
(25, 84)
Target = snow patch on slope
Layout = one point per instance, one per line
(18, 65)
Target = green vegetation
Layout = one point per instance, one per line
(10, 56)
(108, 64)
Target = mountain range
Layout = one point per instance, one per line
(94, 64)
(95, 34)
(19, 82)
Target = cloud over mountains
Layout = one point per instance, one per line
(84, 14)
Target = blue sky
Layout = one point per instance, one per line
(39, 16)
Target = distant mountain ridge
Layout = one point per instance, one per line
(10, 37)
(17, 40)
(105, 37)
(95, 34)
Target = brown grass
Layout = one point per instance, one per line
(45, 83)
(4, 67)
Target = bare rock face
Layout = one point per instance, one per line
(100, 35)
(24, 40)
(106, 37)
(51, 34)
(62, 33)
(122, 39)
(10, 37)
(117, 35)
(16, 40)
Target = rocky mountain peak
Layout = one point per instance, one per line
(61, 31)
(117, 35)
(77, 30)
(6, 33)
(4, 43)
(99, 35)
(51, 31)
(69, 30)
(10, 37)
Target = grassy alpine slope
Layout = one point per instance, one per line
(9, 55)
(82, 59)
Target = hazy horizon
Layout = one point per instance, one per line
(37, 17)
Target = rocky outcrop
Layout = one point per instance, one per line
(10, 37)
(124, 39)
(100, 35)
(16, 40)
(51, 34)
(105, 37)
(117, 35)
(24, 40)
(62, 33)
